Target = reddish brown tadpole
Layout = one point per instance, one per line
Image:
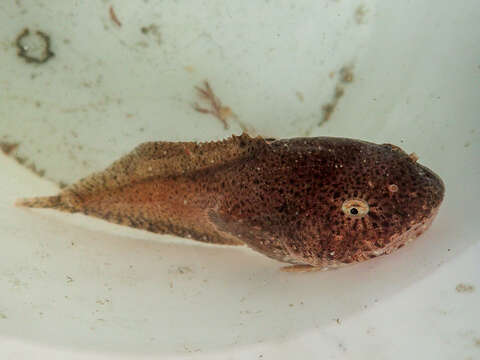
(311, 202)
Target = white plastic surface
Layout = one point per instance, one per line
(72, 287)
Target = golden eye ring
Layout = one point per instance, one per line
(355, 208)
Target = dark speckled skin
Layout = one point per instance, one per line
(282, 198)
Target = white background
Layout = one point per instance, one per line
(72, 287)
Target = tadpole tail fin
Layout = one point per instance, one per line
(51, 202)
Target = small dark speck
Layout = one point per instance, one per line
(153, 30)
(183, 270)
(300, 96)
(465, 288)
(69, 279)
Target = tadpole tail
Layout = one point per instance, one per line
(51, 202)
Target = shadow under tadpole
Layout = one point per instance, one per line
(75, 286)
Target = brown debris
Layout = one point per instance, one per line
(7, 147)
(300, 96)
(465, 288)
(114, 17)
(330, 107)
(216, 108)
(27, 52)
(346, 74)
(346, 77)
(154, 31)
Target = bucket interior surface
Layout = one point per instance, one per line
(89, 81)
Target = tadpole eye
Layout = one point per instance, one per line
(355, 208)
